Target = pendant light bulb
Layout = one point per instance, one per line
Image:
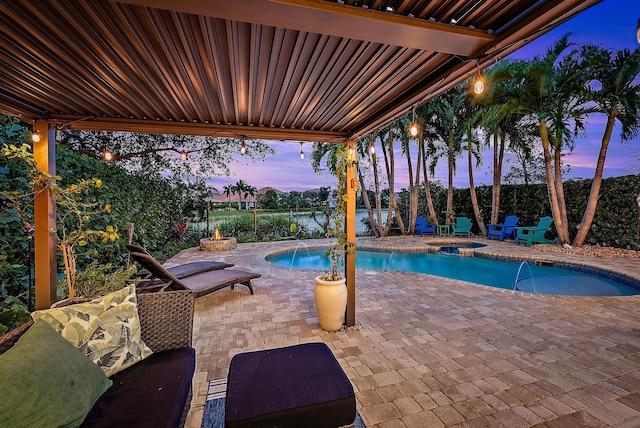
(413, 130)
(107, 155)
(243, 149)
(301, 152)
(478, 85)
(184, 155)
(372, 149)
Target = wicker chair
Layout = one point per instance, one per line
(166, 320)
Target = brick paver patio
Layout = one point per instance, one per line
(434, 352)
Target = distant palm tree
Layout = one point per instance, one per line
(228, 190)
(616, 95)
(240, 187)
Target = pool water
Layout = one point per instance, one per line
(495, 273)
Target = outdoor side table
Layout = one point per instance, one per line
(444, 230)
(296, 386)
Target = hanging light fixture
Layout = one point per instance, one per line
(243, 149)
(372, 148)
(184, 155)
(478, 83)
(35, 135)
(301, 151)
(413, 129)
(107, 155)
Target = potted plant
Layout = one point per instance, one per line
(330, 293)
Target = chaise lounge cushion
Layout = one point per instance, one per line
(163, 379)
(45, 381)
(107, 329)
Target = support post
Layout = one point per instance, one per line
(350, 230)
(44, 213)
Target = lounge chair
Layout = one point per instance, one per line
(201, 283)
(504, 230)
(461, 227)
(535, 234)
(424, 228)
(181, 271)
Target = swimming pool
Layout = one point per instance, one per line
(562, 279)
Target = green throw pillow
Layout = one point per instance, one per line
(107, 329)
(47, 382)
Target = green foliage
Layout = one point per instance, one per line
(13, 313)
(97, 280)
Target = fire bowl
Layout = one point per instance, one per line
(223, 244)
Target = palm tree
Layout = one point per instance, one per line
(552, 94)
(504, 125)
(240, 187)
(389, 162)
(228, 190)
(616, 95)
(448, 130)
(425, 134)
(470, 114)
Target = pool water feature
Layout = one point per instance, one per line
(546, 279)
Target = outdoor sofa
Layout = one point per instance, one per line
(59, 387)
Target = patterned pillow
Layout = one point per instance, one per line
(107, 329)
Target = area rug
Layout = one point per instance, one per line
(213, 416)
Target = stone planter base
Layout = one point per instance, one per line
(224, 244)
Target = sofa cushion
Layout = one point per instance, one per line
(106, 329)
(46, 382)
(153, 393)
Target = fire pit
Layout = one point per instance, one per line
(217, 243)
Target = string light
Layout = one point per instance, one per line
(413, 129)
(478, 82)
(301, 152)
(107, 155)
(35, 135)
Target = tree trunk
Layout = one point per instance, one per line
(367, 203)
(472, 190)
(562, 205)
(427, 188)
(494, 190)
(389, 162)
(551, 188)
(590, 210)
(451, 160)
(376, 182)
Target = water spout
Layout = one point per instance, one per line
(296, 250)
(389, 262)
(515, 283)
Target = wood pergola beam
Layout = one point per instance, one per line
(44, 213)
(350, 22)
(199, 129)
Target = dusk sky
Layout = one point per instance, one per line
(611, 24)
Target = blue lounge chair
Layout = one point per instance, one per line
(535, 234)
(424, 228)
(504, 230)
(461, 227)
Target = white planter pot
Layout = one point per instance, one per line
(331, 302)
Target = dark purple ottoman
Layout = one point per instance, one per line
(296, 386)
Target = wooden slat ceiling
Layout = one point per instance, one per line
(283, 69)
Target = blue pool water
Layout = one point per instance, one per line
(534, 278)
